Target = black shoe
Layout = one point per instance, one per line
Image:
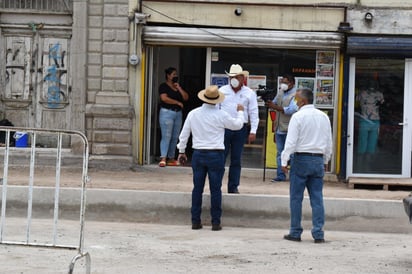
(319, 241)
(291, 238)
(234, 192)
(216, 227)
(277, 179)
(197, 226)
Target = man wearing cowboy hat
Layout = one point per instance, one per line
(237, 93)
(207, 125)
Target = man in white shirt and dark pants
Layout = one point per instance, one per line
(309, 139)
(207, 125)
(236, 92)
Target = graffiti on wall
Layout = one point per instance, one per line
(56, 77)
(17, 68)
(23, 64)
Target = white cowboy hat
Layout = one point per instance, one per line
(211, 95)
(236, 70)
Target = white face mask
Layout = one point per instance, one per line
(284, 87)
(234, 82)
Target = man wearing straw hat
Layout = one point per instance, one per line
(207, 125)
(237, 93)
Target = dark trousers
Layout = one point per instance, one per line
(212, 164)
(234, 142)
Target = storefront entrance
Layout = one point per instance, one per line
(199, 67)
(379, 139)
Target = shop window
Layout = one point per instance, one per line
(312, 68)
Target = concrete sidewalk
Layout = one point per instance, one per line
(162, 195)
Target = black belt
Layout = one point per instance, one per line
(209, 150)
(309, 154)
(174, 109)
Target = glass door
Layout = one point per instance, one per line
(379, 136)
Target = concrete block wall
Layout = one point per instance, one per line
(108, 109)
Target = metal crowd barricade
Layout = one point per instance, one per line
(33, 132)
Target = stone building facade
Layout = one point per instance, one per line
(65, 64)
(108, 111)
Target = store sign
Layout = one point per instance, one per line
(215, 56)
(303, 70)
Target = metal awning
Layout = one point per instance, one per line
(212, 37)
(379, 46)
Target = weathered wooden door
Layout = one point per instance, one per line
(16, 94)
(53, 90)
(36, 86)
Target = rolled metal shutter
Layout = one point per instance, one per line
(379, 46)
(213, 37)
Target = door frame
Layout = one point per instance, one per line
(407, 133)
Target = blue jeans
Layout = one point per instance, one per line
(170, 124)
(280, 145)
(212, 164)
(234, 142)
(368, 135)
(307, 171)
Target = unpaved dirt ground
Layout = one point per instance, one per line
(125, 248)
(131, 247)
(179, 179)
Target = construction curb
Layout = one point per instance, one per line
(270, 206)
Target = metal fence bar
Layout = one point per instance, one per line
(4, 188)
(31, 184)
(85, 180)
(57, 187)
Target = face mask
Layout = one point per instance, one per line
(297, 102)
(175, 79)
(284, 87)
(234, 82)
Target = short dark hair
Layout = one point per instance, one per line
(290, 78)
(169, 71)
(307, 94)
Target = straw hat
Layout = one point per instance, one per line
(211, 95)
(236, 70)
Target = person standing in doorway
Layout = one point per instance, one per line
(207, 125)
(309, 139)
(172, 98)
(237, 93)
(370, 99)
(285, 106)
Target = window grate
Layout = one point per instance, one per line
(39, 5)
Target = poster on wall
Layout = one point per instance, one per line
(325, 57)
(305, 82)
(325, 72)
(219, 79)
(324, 95)
(256, 81)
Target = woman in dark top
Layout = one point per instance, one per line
(172, 96)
